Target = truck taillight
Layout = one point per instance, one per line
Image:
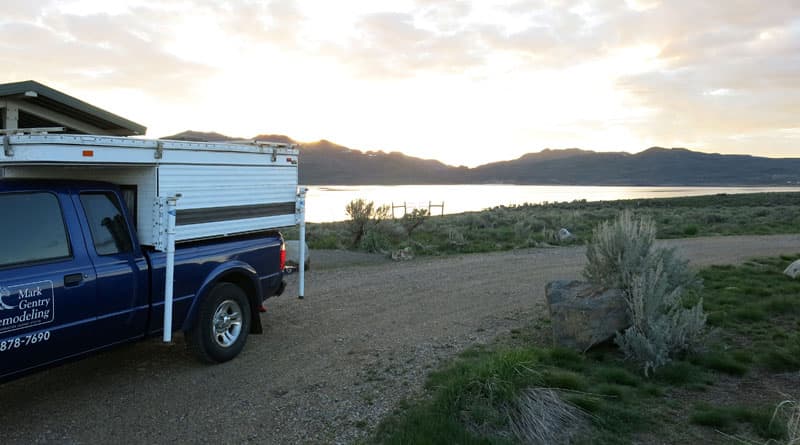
(283, 254)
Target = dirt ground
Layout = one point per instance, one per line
(329, 366)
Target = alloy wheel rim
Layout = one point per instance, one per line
(227, 323)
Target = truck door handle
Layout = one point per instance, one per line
(73, 279)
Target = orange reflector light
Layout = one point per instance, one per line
(88, 153)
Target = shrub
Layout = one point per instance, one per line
(661, 326)
(622, 255)
(618, 248)
(382, 237)
(411, 221)
(363, 216)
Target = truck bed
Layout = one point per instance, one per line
(197, 263)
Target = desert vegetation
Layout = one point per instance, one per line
(537, 225)
(622, 255)
(730, 385)
(364, 221)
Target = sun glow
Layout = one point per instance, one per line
(464, 82)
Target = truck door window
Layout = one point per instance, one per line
(109, 229)
(31, 229)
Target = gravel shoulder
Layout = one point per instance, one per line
(329, 366)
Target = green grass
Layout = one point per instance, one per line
(471, 394)
(722, 362)
(466, 400)
(782, 358)
(536, 225)
(731, 419)
(758, 307)
(618, 376)
(682, 373)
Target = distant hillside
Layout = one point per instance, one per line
(199, 136)
(655, 166)
(325, 162)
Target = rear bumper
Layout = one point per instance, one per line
(280, 289)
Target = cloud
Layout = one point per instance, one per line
(24, 9)
(711, 72)
(748, 50)
(113, 51)
(277, 22)
(394, 45)
(447, 37)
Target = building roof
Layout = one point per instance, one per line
(42, 106)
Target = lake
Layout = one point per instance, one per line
(327, 203)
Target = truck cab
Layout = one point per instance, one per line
(74, 278)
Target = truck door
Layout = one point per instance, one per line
(123, 303)
(47, 286)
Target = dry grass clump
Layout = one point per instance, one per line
(792, 409)
(787, 411)
(540, 416)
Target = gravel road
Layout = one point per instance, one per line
(328, 367)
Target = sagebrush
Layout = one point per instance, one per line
(364, 216)
(652, 279)
(618, 250)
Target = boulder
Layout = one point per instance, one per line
(793, 270)
(564, 235)
(582, 316)
(293, 253)
(404, 254)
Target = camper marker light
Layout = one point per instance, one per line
(88, 153)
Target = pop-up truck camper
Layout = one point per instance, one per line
(106, 239)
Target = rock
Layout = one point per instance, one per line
(293, 253)
(581, 316)
(793, 270)
(404, 254)
(565, 235)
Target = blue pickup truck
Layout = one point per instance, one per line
(74, 278)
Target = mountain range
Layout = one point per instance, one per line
(326, 163)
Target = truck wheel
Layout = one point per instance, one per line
(222, 325)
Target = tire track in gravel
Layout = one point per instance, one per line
(328, 367)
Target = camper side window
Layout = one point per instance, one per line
(109, 229)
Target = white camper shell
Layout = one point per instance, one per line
(177, 190)
(222, 188)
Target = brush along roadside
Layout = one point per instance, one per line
(538, 225)
(730, 387)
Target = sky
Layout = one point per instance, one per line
(463, 81)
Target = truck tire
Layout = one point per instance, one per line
(222, 325)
